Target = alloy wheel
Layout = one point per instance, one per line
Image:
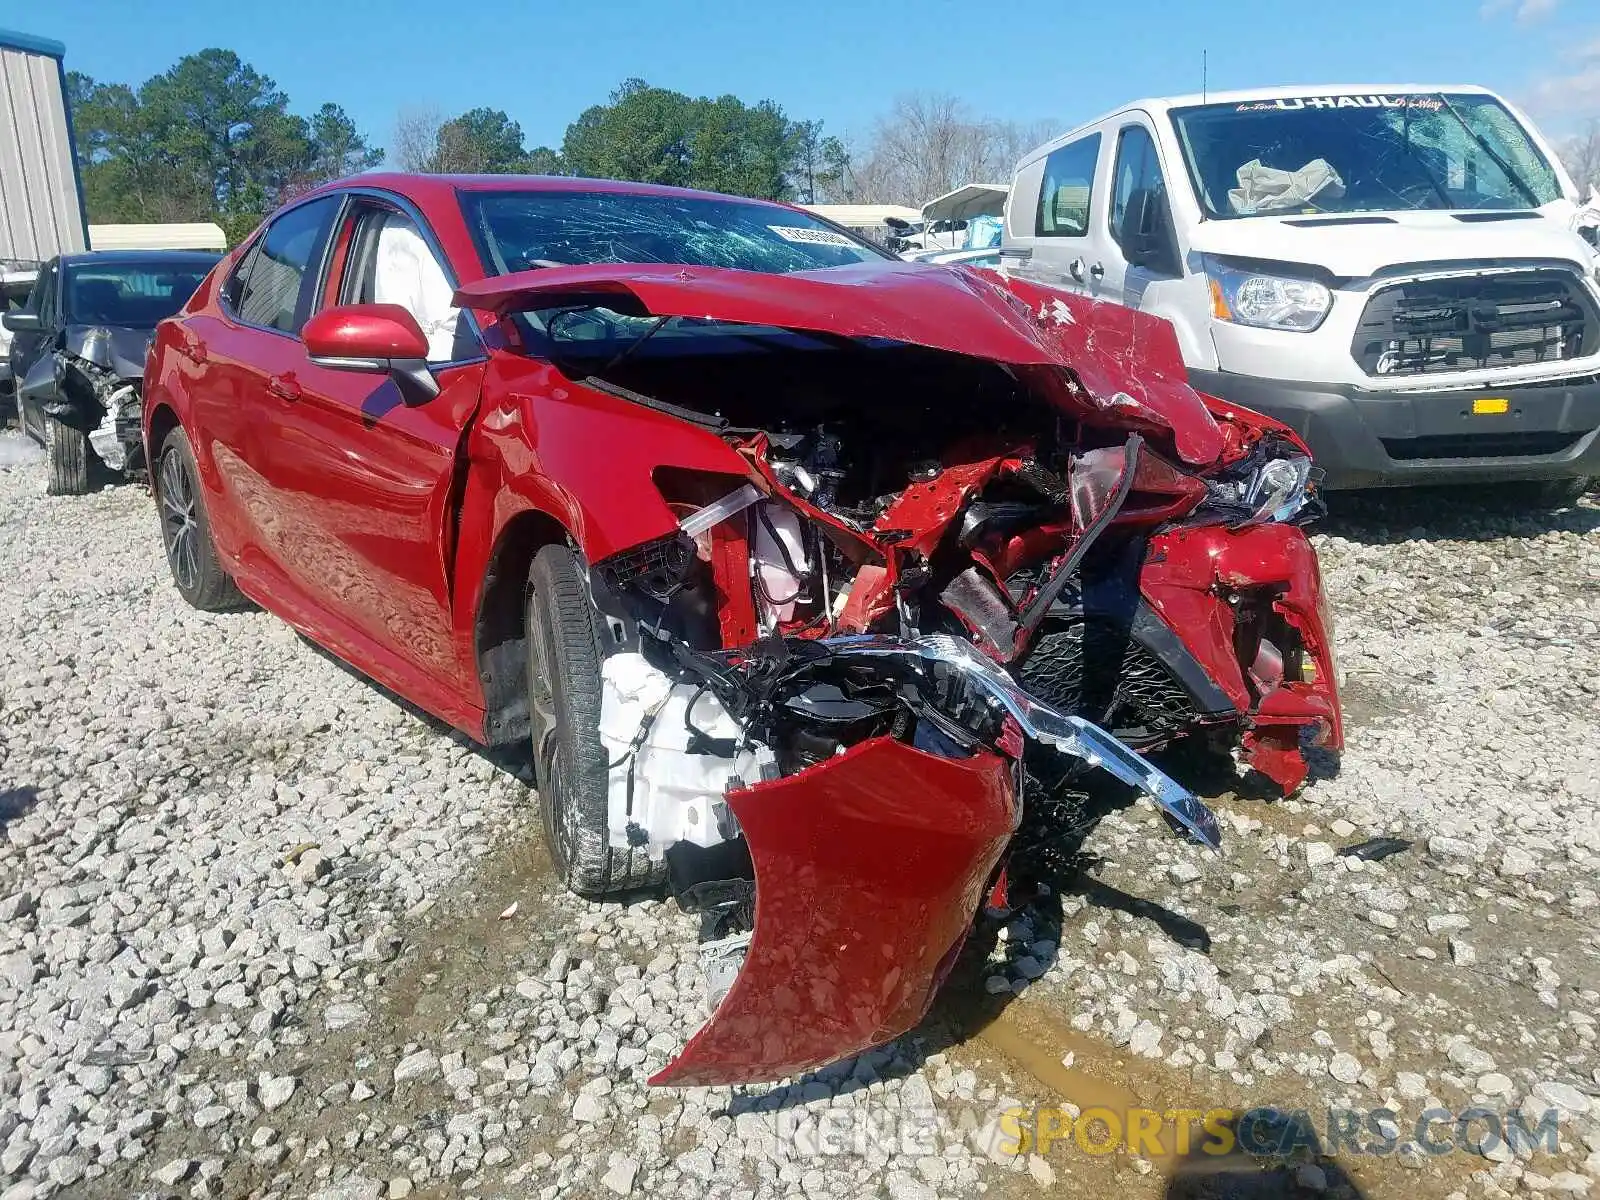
(178, 527)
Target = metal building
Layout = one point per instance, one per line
(41, 201)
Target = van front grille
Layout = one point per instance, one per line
(1436, 326)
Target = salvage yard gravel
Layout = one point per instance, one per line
(266, 931)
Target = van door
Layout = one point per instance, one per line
(1056, 230)
(1135, 236)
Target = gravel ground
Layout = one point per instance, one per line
(264, 930)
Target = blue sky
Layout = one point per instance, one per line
(839, 61)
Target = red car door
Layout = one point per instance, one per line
(229, 350)
(362, 482)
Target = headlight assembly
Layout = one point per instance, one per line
(1266, 301)
(1278, 491)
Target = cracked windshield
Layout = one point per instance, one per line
(1361, 154)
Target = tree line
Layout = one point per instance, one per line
(1581, 154)
(214, 139)
(211, 139)
(643, 133)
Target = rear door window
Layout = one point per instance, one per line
(282, 270)
(1064, 199)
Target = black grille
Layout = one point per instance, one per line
(1441, 325)
(1094, 670)
(1479, 445)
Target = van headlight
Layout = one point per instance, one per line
(1266, 301)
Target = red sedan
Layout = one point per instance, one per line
(792, 562)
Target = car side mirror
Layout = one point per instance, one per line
(380, 339)
(1146, 233)
(21, 322)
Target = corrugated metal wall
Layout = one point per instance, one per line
(39, 211)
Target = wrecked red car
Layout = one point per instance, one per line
(790, 559)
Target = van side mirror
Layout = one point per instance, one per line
(21, 322)
(1146, 234)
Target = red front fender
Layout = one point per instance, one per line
(869, 869)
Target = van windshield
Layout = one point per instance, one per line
(1373, 153)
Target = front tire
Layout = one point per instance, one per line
(1560, 493)
(186, 529)
(570, 765)
(67, 450)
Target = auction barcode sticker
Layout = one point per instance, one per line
(810, 237)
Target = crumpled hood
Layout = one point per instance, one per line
(118, 348)
(1360, 250)
(1128, 362)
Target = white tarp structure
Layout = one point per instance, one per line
(191, 235)
(968, 201)
(862, 216)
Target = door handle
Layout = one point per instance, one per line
(285, 386)
(1098, 272)
(1076, 269)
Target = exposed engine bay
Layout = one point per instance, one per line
(912, 540)
(949, 564)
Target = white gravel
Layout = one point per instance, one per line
(255, 935)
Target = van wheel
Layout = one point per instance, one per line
(186, 530)
(569, 760)
(68, 452)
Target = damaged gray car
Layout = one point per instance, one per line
(77, 355)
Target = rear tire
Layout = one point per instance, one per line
(186, 529)
(570, 763)
(68, 452)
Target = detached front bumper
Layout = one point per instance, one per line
(1204, 581)
(869, 870)
(870, 865)
(1363, 438)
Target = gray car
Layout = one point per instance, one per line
(78, 349)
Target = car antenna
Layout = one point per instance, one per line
(1204, 74)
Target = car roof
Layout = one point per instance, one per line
(139, 257)
(433, 189)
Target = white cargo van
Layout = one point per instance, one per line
(1401, 273)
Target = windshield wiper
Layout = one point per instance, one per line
(1494, 155)
(627, 351)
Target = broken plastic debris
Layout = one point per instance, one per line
(721, 960)
(511, 911)
(1070, 735)
(1374, 849)
(673, 750)
(718, 511)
